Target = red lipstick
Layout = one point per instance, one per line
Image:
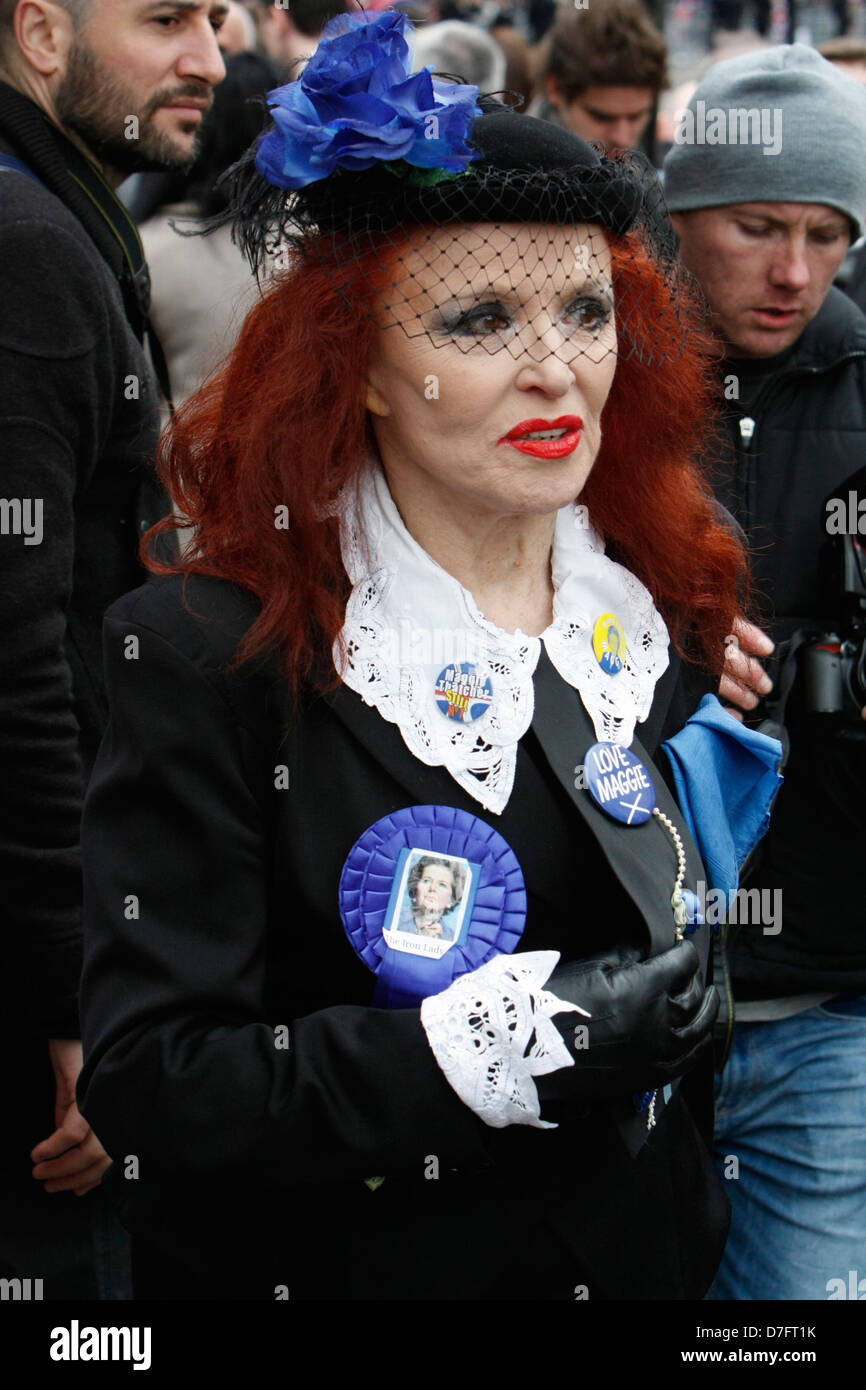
(556, 448)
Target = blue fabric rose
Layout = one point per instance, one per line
(358, 103)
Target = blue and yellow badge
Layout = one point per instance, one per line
(608, 643)
(463, 693)
(425, 895)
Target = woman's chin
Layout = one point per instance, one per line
(548, 485)
(545, 498)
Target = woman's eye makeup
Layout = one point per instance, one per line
(587, 312)
(487, 317)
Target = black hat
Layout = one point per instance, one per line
(348, 172)
(529, 170)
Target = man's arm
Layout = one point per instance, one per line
(54, 409)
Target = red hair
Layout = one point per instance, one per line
(283, 425)
(647, 493)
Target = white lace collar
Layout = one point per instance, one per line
(410, 626)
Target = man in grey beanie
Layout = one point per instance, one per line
(766, 183)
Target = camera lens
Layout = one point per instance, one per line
(823, 684)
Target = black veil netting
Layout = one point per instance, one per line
(507, 254)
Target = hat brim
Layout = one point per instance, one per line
(527, 170)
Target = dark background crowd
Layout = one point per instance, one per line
(615, 73)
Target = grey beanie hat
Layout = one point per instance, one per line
(779, 125)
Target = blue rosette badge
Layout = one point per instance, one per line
(358, 103)
(427, 894)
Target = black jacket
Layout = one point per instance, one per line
(212, 917)
(78, 427)
(809, 437)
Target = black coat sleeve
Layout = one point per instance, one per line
(53, 398)
(181, 1063)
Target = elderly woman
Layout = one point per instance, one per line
(434, 888)
(471, 335)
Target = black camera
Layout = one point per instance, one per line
(833, 662)
(827, 659)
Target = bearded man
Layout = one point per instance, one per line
(90, 91)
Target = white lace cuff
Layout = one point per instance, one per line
(480, 1030)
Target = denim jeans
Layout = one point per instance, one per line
(791, 1143)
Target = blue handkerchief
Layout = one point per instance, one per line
(726, 779)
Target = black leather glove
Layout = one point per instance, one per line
(649, 1021)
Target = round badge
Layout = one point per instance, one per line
(462, 693)
(619, 783)
(427, 894)
(608, 643)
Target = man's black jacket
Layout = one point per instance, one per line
(78, 427)
(808, 436)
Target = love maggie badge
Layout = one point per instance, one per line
(621, 786)
(427, 894)
(619, 783)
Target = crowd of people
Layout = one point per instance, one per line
(433, 542)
